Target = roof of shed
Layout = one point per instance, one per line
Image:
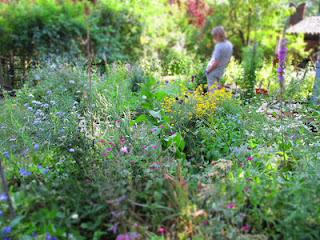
(309, 25)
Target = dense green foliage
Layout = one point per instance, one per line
(132, 147)
(31, 30)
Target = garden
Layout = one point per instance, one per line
(108, 130)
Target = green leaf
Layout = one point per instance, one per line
(155, 114)
(176, 140)
(142, 118)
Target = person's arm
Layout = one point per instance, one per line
(217, 57)
(214, 65)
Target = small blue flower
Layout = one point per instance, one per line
(3, 197)
(49, 237)
(1, 213)
(37, 122)
(7, 155)
(72, 150)
(36, 147)
(7, 230)
(42, 169)
(24, 172)
(45, 105)
(30, 109)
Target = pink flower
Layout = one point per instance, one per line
(246, 228)
(112, 144)
(154, 147)
(109, 149)
(105, 154)
(206, 223)
(124, 150)
(250, 158)
(162, 230)
(231, 206)
(102, 141)
(122, 140)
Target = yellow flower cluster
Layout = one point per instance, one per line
(203, 104)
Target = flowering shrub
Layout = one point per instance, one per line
(202, 104)
(133, 163)
(198, 10)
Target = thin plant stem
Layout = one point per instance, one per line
(5, 187)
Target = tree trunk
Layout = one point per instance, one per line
(249, 26)
(1, 75)
(315, 99)
(12, 74)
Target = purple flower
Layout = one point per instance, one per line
(114, 228)
(250, 158)
(7, 230)
(282, 56)
(72, 150)
(7, 155)
(25, 172)
(36, 147)
(129, 236)
(3, 197)
(1, 213)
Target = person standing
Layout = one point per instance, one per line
(220, 58)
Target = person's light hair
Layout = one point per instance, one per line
(219, 32)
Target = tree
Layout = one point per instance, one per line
(246, 21)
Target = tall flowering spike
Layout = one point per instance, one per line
(282, 57)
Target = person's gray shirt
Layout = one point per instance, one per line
(222, 53)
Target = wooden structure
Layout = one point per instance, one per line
(310, 27)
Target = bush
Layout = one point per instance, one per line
(48, 27)
(252, 60)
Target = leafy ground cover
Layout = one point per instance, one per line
(142, 158)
